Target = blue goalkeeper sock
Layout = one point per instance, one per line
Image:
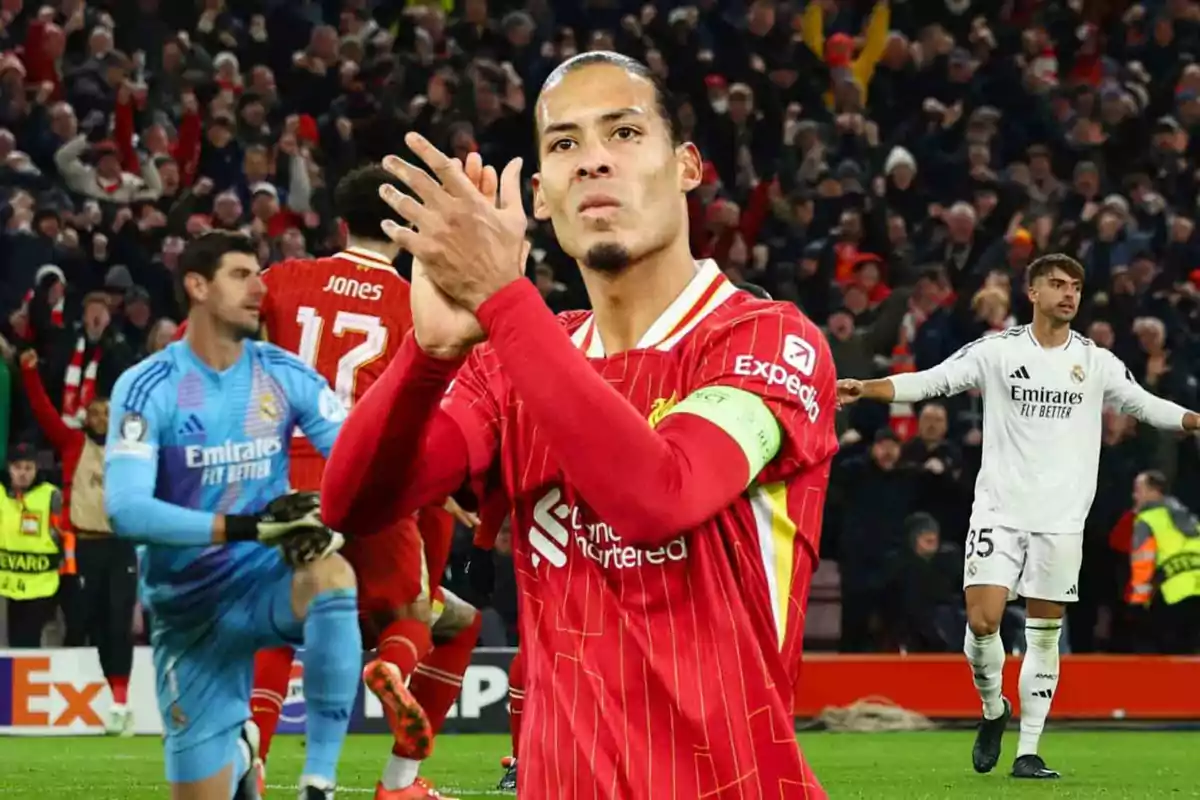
(332, 663)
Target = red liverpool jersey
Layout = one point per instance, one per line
(666, 672)
(345, 316)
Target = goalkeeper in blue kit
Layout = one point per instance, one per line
(197, 475)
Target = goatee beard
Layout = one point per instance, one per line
(608, 257)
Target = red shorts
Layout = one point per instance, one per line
(390, 567)
(437, 533)
(390, 564)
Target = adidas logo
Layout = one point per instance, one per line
(1073, 591)
(1046, 694)
(1020, 374)
(192, 426)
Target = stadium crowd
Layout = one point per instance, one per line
(890, 167)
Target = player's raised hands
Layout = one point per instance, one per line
(849, 391)
(444, 328)
(470, 245)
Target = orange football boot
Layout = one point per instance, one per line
(407, 719)
(421, 789)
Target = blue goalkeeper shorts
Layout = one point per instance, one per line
(204, 660)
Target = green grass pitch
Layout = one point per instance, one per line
(897, 765)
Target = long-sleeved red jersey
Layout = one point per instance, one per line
(661, 599)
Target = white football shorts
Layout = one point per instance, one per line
(1041, 566)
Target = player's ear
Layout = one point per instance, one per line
(196, 287)
(690, 166)
(541, 211)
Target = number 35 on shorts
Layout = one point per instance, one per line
(980, 543)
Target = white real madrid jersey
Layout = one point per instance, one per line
(1041, 422)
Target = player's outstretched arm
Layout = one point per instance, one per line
(851, 390)
(131, 468)
(1120, 388)
(397, 451)
(956, 374)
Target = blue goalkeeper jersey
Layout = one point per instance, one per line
(187, 442)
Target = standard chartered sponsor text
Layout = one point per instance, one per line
(601, 544)
(595, 540)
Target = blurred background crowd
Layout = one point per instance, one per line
(890, 167)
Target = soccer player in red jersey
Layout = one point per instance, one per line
(667, 455)
(346, 316)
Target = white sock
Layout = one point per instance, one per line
(985, 654)
(1039, 679)
(399, 773)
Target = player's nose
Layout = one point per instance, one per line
(595, 161)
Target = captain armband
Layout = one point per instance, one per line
(742, 415)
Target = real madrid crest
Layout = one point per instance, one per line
(1077, 374)
(268, 407)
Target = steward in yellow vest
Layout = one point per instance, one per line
(1165, 562)
(30, 545)
(1165, 549)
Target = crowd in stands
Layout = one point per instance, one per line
(890, 167)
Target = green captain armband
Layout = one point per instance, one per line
(742, 415)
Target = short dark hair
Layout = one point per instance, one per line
(664, 101)
(203, 256)
(1156, 480)
(356, 200)
(1043, 266)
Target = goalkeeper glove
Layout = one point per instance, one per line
(291, 522)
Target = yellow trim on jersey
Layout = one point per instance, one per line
(742, 415)
(783, 535)
(777, 548)
(426, 588)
